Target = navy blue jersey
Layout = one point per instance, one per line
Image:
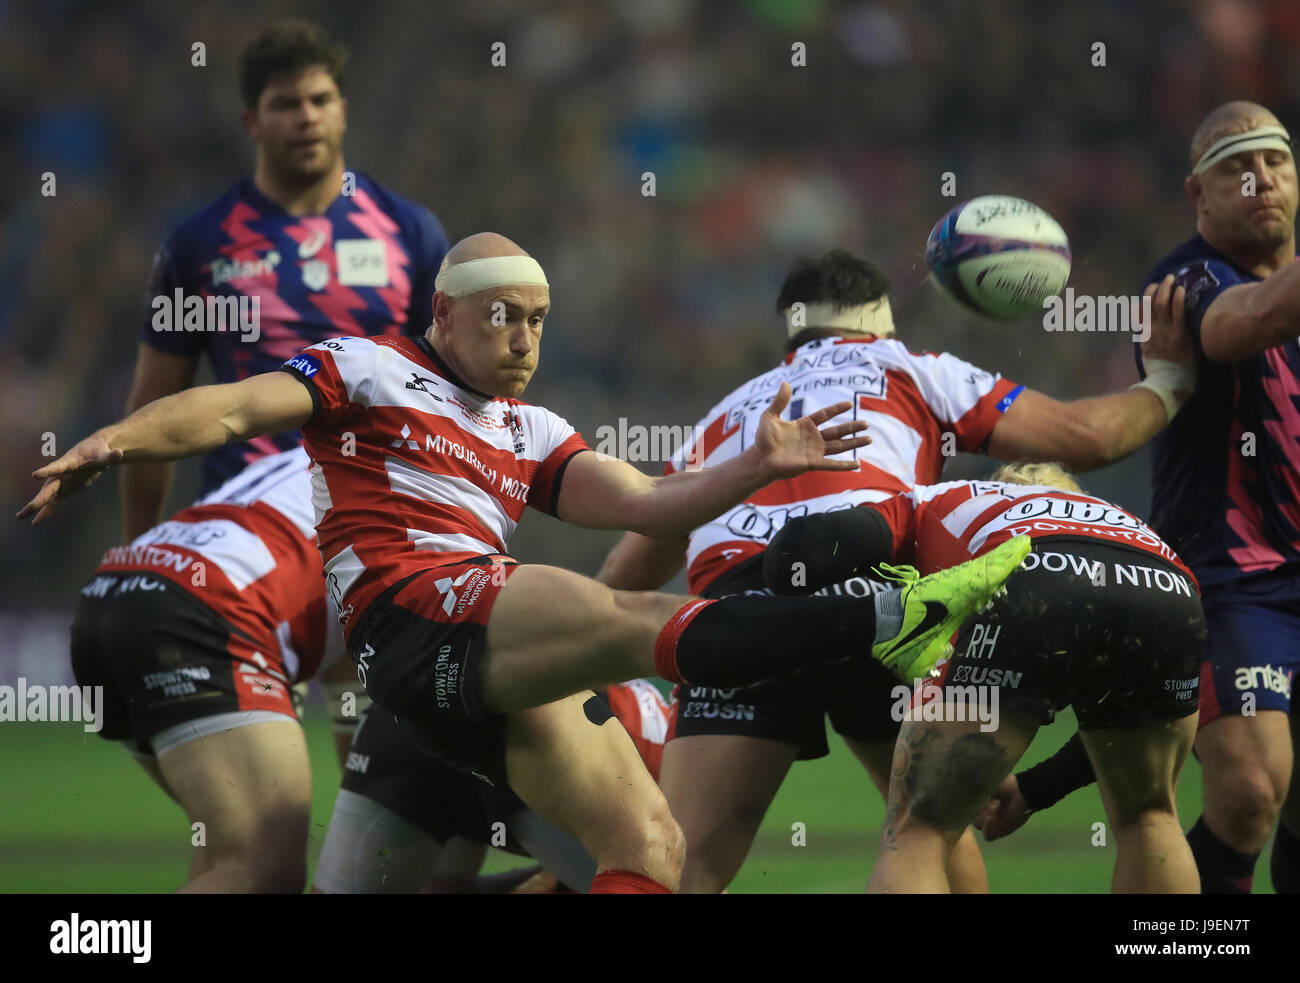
(1226, 481)
(364, 267)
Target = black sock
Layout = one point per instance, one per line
(1223, 870)
(1285, 865)
(742, 640)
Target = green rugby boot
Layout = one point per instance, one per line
(934, 607)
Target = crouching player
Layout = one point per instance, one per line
(405, 822)
(197, 630)
(1102, 616)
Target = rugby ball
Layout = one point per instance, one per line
(999, 256)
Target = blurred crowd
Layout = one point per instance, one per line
(663, 303)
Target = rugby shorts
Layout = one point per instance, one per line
(173, 670)
(1113, 632)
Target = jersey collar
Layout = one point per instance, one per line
(446, 370)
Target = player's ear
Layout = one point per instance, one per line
(441, 310)
(1192, 189)
(249, 118)
(343, 108)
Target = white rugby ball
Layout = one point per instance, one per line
(999, 256)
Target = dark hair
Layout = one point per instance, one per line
(837, 277)
(287, 47)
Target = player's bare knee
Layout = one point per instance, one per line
(663, 837)
(657, 840)
(1250, 802)
(1131, 811)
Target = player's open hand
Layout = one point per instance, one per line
(75, 470)
(1005, 813)
(786, 448)
(1166, 335)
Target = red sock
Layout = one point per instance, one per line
(666, 643)
(625, 882)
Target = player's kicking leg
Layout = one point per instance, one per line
(553, 632)
(1137, 771)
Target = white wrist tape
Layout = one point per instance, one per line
(1164, 379)
(483, 274)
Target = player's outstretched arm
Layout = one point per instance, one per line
(601, 492)
(1091, 433)
(188, 423)
(1252, 317)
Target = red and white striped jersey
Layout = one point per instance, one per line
(643, 713)
(910, 402)
(248, 552)
(411, 468)
(938, 526)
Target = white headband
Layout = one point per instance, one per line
(1260, 138)
(874, 318)
(482, 274)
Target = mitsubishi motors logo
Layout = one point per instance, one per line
(446, 584)
(406, 438)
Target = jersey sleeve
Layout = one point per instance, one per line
(966, 400)
(559, 444)
(428, 248)
(167, 275)
(1203, 280)
(338, 373)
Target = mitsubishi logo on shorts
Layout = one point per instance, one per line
(406, 437)
(446, 584)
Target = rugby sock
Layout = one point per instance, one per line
(625, 882)
(1285, 865)
(1223, 870)
(741, 640)
(889, 614)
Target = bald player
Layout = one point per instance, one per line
(423, 459)
(1226, 487)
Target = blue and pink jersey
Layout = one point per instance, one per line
(1226, 472)
(364, 267)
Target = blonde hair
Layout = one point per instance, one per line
(1047, 473)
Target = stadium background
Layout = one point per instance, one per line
(660, 304)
